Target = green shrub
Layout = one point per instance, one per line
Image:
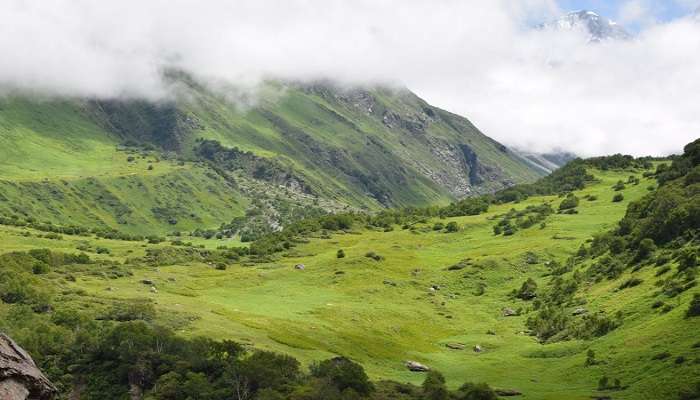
(452, 227)
(476, 391)
(631, 282)
(528, 290)
(661, 356)
(619, 186)
(374, 256)
(343, 374)
(40, 268)
(618, 198)
(340, 253)
(570, 202)
(694, 308)
(434, 387)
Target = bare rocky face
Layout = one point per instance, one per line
(20, 378)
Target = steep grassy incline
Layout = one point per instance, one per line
(362, 148)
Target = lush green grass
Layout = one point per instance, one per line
(382, 313)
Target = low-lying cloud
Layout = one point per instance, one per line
(530, 88)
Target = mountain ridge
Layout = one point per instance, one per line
(342, 147)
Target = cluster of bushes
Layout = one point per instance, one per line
(552, 323)
(30, 222)
(177, 255)
(522, 219)
(221, 159)
(19, 282)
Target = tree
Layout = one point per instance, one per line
(570, 202)
(265, 369)
(694, 309)
(344, 374)
(528, 290)
(434, 387)
(476, 391)
(452, 227)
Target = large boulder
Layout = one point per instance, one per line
(20, 379)
(415, 366)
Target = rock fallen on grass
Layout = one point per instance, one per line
(507, 392)
(509, 312)
(455, 346)
(579, 311)
(300, 267)
(415, 366)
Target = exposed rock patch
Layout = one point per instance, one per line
(20, 379)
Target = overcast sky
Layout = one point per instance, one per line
(530, 88)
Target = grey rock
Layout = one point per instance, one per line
(509, 312)
(20, 379)
(455, 346)
(478, 349)
(415, 366)
(300, 267)
(579, 311)
(147, 282)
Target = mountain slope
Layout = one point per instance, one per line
(326, 146)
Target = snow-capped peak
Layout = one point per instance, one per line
(599, 28)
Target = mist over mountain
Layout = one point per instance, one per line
(528, 88)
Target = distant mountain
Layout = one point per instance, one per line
(547, 162)
(597, 27)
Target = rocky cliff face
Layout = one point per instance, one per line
(20, 379)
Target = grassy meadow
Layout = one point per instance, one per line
(408, 305)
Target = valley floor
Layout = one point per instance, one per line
(410, 306)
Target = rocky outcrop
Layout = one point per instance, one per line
(20, 379)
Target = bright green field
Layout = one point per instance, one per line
(381, 313)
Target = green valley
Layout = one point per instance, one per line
(459, 294)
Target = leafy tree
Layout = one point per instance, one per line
(694, 308)
(570, 202)
(344, 374)
(476, 391)
(528, 290)
(434, 387)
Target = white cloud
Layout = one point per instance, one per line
(534, 89)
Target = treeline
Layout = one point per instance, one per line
(386, 220)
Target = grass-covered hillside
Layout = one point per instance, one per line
(545, 293)
(119, 164)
